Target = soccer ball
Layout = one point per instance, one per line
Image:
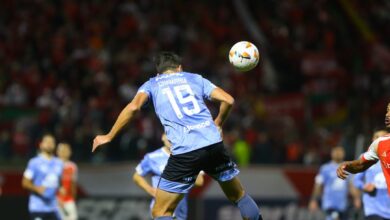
(244, 56)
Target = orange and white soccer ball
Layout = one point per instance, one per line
(244, 56)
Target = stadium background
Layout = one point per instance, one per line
(68, 67)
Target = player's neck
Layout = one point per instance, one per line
(171, 72)
(167, 149)
(64, 160)
(46, 155)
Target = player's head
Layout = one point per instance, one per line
(378, 134)
(167, 61)
(387, 117)
(64, 151)
(47, 144)
(338, 154)
(165, 140)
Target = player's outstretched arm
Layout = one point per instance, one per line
(143, 184)
(124, 117)
(355, 166)
(226, 101)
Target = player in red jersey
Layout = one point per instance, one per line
(67, 193)
(379, 150)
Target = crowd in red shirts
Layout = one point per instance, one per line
(69, 67)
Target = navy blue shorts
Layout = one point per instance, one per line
(182, 169)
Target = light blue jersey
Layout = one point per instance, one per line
(335, 190)
(178, 99)
(379, 202)
(47, 173)
(153, 164)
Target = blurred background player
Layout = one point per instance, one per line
(332, 191)
(379, 150)
(372, 183)
(178, 99)
(154, 163)
(42, 178)
(68, 191)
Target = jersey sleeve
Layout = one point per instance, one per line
(372, 152)
(146, 88)
(208, 87)
(144, 167)
(29, 173)
(320, 177)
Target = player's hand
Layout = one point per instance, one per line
(313, 206)
(341, 172)
(369, 188)
(100, 140)
(40, 190)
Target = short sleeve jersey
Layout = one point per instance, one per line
(47, 173)
(380, 150)
(178, 99)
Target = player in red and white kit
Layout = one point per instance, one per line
(379, 150)
(67, 193)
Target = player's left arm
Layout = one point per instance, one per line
(124, 118)
(226, 104)
(367, 159)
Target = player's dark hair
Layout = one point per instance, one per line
(166, 60)
(45, 134)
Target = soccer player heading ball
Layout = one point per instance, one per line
(379, 150)
(178, 99)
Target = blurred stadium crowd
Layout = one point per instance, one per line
(69, 67)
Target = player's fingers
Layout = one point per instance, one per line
(95, 144)
(344, 174)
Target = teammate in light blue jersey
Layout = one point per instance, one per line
(332, 191)
(372, 183)
(42, 178)
(178, 99)
(153, 164)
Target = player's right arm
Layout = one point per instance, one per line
(124, 118)
(317, 190)
(226, 105)
(367, 159)
(144, 184)
(27, 181)
(143, 169)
